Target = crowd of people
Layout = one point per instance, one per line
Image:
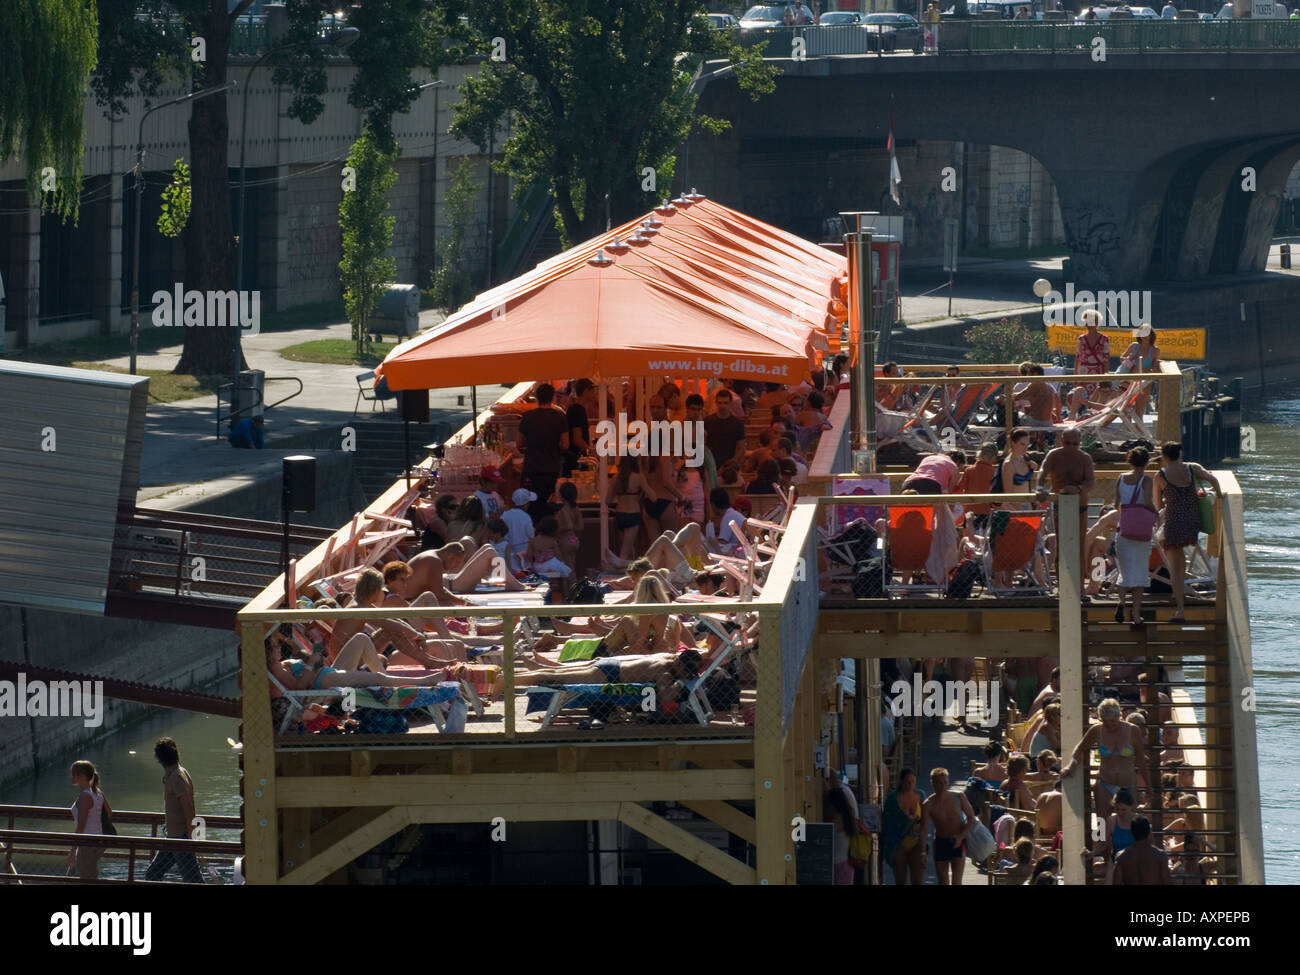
(1143, 832)
(680, 528)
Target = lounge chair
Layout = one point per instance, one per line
(909, 533)
(429, 699)
(562, 697)
(1013, 544)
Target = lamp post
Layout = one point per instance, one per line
(339, 40)
(139, 204)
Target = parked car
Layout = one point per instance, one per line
(1144, 13)
(895, 32)
(840, 18)
(773, 15)
(723, 21)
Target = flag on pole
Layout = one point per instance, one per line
(895, 178)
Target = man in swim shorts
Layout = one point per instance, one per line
(953, 820)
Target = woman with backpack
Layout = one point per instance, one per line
(89, 812)
(1134, 496)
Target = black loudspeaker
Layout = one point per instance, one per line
(300, 483)
(415, 405)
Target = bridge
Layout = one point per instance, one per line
(1169, 156)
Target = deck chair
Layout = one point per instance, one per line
(732, 645)
(400, 699)
(1015, 733)
(915, 427)
(1013, 549)
(563, 697)
(963, 410)
(909, 533)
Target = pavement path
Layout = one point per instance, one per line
(181, 447)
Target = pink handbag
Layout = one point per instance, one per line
(1136, 521)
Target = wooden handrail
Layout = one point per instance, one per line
(135, 816)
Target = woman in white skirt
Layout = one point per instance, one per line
(1133, 497)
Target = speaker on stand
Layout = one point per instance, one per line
(415, 409)
(298, 494)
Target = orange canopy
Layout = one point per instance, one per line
(712, 293)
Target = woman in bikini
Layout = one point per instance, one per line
(901, 841)
(629, 489)
(657, 633)
(1123, 755)
(305, 671)
(570, 522)
(1180, 512)
(1017, 469)
(1142, 355)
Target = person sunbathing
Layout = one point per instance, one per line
(1046, 771)
(370, 592)
(1049, 811)
(993, 770)
(649, 633)
(1014, 784)
(452, 570)
(400, 592)
(302, 671)
(667, 671)
(1045, 730)
(1024, 866)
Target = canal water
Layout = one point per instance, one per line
(132, 779)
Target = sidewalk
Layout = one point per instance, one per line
(180, 443)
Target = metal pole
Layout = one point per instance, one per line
(863, 387)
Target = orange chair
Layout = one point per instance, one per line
(1012, 551)
(909, 533)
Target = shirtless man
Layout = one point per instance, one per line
(452, 569)
(946, 810)
(405, 638)
(1141, 864)
(1050, 690)
(667, 671)
(1071, 472)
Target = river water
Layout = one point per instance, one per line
(132, 779)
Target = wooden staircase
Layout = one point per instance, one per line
(1189, 663)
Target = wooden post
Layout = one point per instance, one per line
(261, 841)
(508, 669)
(1009, 410)
(1168, 419)
(773, 831)
(1074, 822)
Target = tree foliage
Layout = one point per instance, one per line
(175, 202)
(145, 44)
(1005, 341)
(47, 52)
(451, 286)
(597, 93)
(367, 233)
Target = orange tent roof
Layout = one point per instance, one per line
(713, 293)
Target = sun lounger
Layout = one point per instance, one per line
(553, 700)
(1014, 541)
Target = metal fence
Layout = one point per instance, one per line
(1002, 37)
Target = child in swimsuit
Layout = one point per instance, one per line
(544, 550)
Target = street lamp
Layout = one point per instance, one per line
(139, 203)
(338, 40)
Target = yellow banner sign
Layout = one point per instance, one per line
(1173, 343)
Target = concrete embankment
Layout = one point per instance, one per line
(166, 654)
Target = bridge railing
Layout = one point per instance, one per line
(1035, 37)
(1128, 36)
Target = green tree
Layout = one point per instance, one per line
(367, 233)
(144, 44)
(175, 202)
(598, 94)
(47, 52)
(451, 283)
(1005, 341)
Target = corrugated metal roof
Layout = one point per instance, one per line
(69, 454)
